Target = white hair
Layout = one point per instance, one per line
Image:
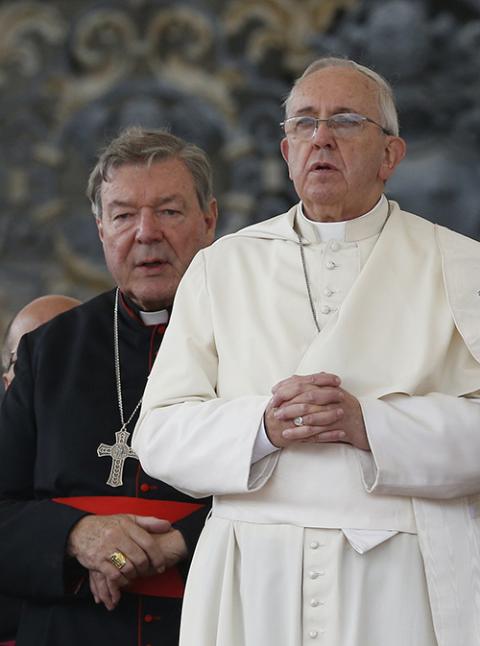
(386, 100)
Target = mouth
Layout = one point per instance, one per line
(151, 264)
(322, 167)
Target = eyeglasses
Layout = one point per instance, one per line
(345, 125)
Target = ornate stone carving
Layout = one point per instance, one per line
(216, 72)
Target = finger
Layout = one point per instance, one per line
(289, 412)
(305, 391)
(144, 557)
(93, 588)
(137, 564)
(327, 436)
(138, 546)
(153, 525)
(316, 379)
(104, 593)
(308, 430)
(319, 396)
(114, 592)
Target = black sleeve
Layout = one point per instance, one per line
(190, 527)
(9, 617)
(33, 531)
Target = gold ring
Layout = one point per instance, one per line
(118, 559)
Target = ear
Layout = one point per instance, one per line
(210, 218)
(284, 147)
(99, 228)
(394, 152)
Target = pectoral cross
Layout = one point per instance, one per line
(119, 452)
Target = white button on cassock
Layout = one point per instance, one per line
(314, 603)
(328, 291)
(313, 634)
(330, 264)
(325, 309)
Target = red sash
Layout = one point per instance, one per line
(168, 584)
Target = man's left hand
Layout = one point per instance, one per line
(170, 547)
(295, 397)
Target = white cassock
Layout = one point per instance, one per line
(398, 305)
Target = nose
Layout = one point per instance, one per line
(149, 227)
(323, 137)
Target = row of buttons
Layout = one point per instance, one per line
(330, 264)
(314, 574)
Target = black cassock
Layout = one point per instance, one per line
(61, 405)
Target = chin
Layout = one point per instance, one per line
(150, 300)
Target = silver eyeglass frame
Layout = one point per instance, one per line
(362, 119)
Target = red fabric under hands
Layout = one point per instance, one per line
(168, 584)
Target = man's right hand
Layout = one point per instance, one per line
(325, 412)
(318, 394)
(94, 539)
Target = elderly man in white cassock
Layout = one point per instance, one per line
(321, 383)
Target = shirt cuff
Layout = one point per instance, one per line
(262, 446)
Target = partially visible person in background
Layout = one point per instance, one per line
(34, 314)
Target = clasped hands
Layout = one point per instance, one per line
(149, 544)
(327, 412)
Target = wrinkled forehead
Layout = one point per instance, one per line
(148, 183)
(335, 89)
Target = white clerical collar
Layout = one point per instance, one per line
(364, 226)
(327, 230)
(154, 318)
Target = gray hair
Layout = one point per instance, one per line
(386, 99)
(135, 145)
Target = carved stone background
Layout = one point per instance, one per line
(73, 72)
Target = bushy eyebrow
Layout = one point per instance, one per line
(168, 199)
(121, 203)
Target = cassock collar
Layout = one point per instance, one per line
(364, 226)
(144, 318)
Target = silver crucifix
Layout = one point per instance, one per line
(119, 452)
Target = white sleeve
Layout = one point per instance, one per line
(426, 446)
(186, 435)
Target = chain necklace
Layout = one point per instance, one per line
(119, 451)
(307, 283)
(116, 355)
(305, 273)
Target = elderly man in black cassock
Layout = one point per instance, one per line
(96, 549)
